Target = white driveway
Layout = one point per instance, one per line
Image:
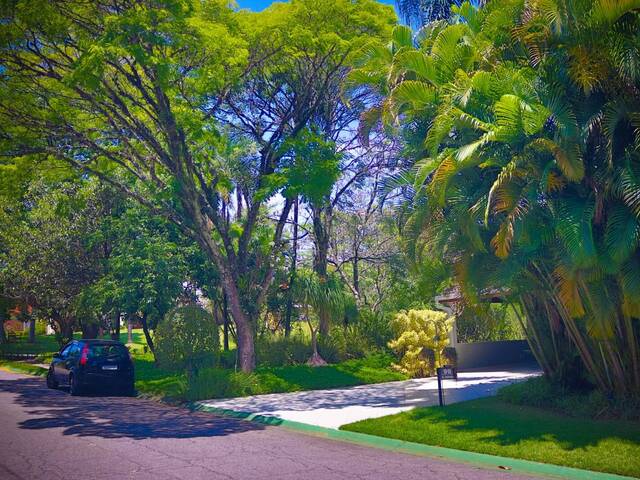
(336, 407)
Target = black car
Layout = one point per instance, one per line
(92, 363)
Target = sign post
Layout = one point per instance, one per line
(443, 373)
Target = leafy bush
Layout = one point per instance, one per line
(221, 383)
(488, 322)
(344, 343)
(375, 328)
(421, 336)
(278, 351)
(41, 327)
(187, 339)
(333, 347)
(541, 393)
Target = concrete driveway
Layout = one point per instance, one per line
(336, 407)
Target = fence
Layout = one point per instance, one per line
(17, 356)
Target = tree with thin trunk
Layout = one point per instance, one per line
(292, 269)
(316, 295)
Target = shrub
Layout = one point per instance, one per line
(540, 392)
(221, 383)
(333, 347)
(421, 336)
(344, 343)
(41, 327)
(375, 328)
(278, 351)
(488, 322)
(187, 339)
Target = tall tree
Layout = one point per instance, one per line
(134, 92)
(420, 12)
(526, 181)
(48, 258)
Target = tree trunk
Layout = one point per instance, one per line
(89, 330)
(316, 360)
(129, 329)
(244, 332)
(32, 329)
(356, 273)
(3, 334)
(147, 334)
(225, 321)
(115, 334)
(229, 266)
(321, 238)
(292, 271)
(66, 331)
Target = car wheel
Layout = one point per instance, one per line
(129, 391)
(74, 386)
(51, 380)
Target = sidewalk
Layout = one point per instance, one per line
(336, 407)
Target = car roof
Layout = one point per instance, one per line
(100, 342)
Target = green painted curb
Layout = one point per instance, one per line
(514, 465)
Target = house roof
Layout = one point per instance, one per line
(454, 295)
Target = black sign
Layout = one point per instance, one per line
(443, 373)
(447, 372)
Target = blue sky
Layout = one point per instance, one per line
(260, 4)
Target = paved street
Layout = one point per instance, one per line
(339, 406)
(50, 435)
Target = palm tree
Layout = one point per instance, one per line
(421, 12)
(315, 295)
(528, 168)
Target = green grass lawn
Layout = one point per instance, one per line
(374, 369)
(43, 344)
(22, 367)
(492, 426)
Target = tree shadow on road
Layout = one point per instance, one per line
(114, 417)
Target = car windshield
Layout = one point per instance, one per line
(108, 351)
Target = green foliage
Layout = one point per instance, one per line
(315, 294)
(311, 167)
(419, 334)
(41, 327)
(47, 257)
(146, 267)
(487, 323)
(189, 108)
(518, 117)
(220, 383)
(278, 350)
(374, 327)
(539, 392)
(343, 343)
(187, 339)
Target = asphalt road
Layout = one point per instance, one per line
(47, 434)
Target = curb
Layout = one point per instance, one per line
(513, 465)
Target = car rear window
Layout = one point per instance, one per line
(109, 351)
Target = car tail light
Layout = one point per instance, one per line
(85, 354)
